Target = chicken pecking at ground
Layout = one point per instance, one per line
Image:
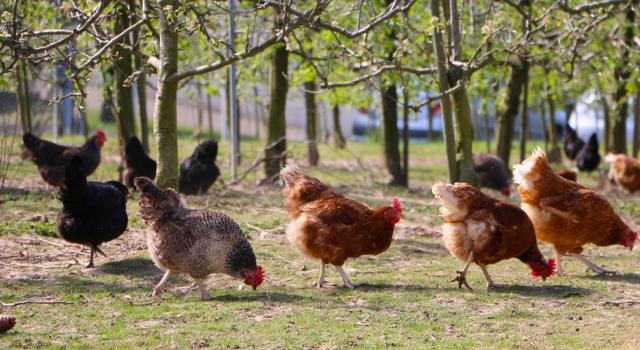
(197, 242)
(588, 158)
(332, 228)
(483, 230)
(566, 214)
(51, 159)
(92, 212)
(493, 172)
(199, 172)
(624, 171)
(572, 143)
(138, 163)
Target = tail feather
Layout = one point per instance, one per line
(74, 185)
(290, 173)
(31, 143)
(155, 202)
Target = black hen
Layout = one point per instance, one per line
(51, 159)
(588, 159)
(92, 212)
(199, 172)
(138, 163)
(493, 172)
(572, 143)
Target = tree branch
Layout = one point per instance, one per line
(416, 71)
(588, 7)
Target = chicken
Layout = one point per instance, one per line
(199, 172)
(138, 163)
(197, 242)
(484, 230)
(588, 158)
(624, 171)
(332, 228)
(568, 174)
(566, 214)
(51, 159)
(92, 212)
(572, 144)
(493, 172)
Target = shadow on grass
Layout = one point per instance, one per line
(420, 247)
(245, 296)
(544, 290)
(627, 277)
(132, 267)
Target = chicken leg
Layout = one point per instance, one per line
(591, 266)
(93, 251)
(320, 283)
(490, 283)
(347, 282)
(203, 291)
(157, 289)
(559, 272)
(462, 275)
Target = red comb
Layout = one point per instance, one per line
(396, 205)
(259, 277)
(101, 133)
(551, 267)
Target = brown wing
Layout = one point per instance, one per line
(306, 189)
(576, 205)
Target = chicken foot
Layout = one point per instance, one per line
(591, 266)
(320, 283)
(490, 283)
(93, 252)
(157, 289)
(203, 291)
(462, 275)
(347, 282)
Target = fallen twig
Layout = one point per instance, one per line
(45, 241)
(18, 303)
(42, 266)
(618, 303)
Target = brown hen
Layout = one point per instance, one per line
(566, 214)
(332, 228)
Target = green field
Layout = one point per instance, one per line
(409, 302)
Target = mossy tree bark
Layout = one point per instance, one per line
(165, 126)
(524, 115)
(337, 129)
(125, 113)
(636, 125)
(389, 133)
(554, 155)
(20, 95)
(142, 89)
(275, 127)
(622, 74)
(312, 122)
(506, 117)
(445, 104)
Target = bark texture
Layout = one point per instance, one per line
(312, 122)
(506, 117)
(275, 123)
(337, 129)
(389, 134)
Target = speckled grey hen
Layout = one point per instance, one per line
(197, 242)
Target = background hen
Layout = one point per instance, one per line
(624, 171)
(493, 172)
(138, 163)
(588, 158)
(484, 230)
(572, 143)
(566, 214)
(332, 228)
(197, 242)
(92, 212)
(51, 159)
(199, 172)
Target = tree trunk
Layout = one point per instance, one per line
(210, 113)
(124, 94)
(312, 122)
(275, 127)
(555, 154)
(85, 122)
(200, 111)
(607, 120)
(389, 133)
(22, 109)
(636, 125)
(256, 113)
(142, 89)
(475, 128)
(405, 139)
(27, 96)
(545, 134)
(462, 114)
(506, 118)
(445, 104)
(622, 74)
(524, 116)
(165, 125)
(487, 137)
(337, 129)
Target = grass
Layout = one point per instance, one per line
(409, 302)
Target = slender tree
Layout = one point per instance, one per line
(312, 122)
(275, 128)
